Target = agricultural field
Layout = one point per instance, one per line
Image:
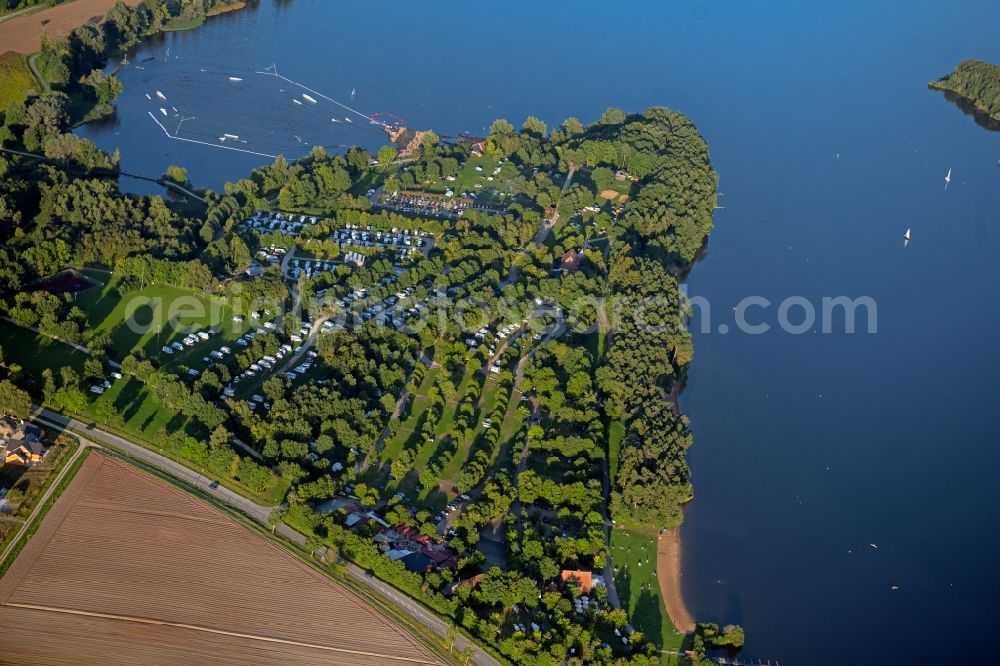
(106, 578)
(20, 33)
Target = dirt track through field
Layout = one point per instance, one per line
(20, 34)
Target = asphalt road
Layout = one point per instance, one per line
(259, 513)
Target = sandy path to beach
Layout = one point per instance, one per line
(20, 33)
(668, 573)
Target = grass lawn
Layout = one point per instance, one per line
(487, 401)
(633, 555)
(616, 433)
(142, 416)
(36, 352)
(158, 315)
(407, 430)
(16, 78)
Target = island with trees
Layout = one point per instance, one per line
(975, 87)
(453, 367)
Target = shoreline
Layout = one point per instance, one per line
(967, 105)
(668, 574)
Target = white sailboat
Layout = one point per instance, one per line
(235, 78)
(163, 111)
(354, 91)
(346, 119)
(907, 234)
(947, 179)
(161, 95)
(148, 97)
(334, 120)
(297, 102)
(308, 98)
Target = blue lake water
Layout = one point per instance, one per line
(808, 447)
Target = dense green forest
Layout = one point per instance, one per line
(976, 81)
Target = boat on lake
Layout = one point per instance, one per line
(163, 111)
(297, 102)
(308, 98)
(235, 78)
(161, 95)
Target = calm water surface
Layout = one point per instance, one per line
(808, 447)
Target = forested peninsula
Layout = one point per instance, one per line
(977, 83)
(473, 345)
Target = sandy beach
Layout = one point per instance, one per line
(668, 573)
(20, 33)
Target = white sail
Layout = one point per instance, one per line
(161, 95)
(907, 234)
(163, 111)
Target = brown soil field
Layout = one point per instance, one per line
(20, 34)
(126, 569)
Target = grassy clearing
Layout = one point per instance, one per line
(633, 554)
(487, 401)
(16, 79)
(616, 433)
(158, 315)
(35, 353)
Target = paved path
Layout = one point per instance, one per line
(260, 513)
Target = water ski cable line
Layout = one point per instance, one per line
(206, 143)
(273, 71)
